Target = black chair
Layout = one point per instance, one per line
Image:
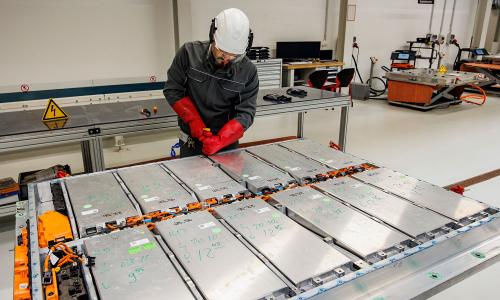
(317, 79)
(343, 79)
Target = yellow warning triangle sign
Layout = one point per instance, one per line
(53, 112)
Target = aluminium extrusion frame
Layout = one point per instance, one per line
(90, 134)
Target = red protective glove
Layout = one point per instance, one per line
(189, 114)
(229, 133)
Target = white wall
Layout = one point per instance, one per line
(67, 40)
(271, 21)
(71, 40)
(383, 26)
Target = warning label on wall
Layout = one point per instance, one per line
(53, 112)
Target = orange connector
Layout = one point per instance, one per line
(53, 227)
(194, 206)
(21, 280)
(211, 201)
(51, 292)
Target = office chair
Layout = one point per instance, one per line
(317, 79)
(343, 79)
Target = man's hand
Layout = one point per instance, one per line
(230, 133)
(189, 115)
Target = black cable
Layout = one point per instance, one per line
(373, 92)
(356, 68)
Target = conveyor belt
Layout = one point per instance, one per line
(332, 158)
(129, 264)
(348, 227)
(399, 213)
(422, 193)
(96, 200)
(220, 265)
(258, 175)
(204, 179)
(154, 189)
(294, 250)
(302, 168)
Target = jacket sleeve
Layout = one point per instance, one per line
(245, 109)
(175, 86)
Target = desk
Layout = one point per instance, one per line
(88, 124)
(289, 70)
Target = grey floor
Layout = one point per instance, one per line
(441, 146)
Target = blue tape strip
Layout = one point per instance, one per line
(81, 91)
(172, 149)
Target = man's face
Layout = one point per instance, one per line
(222, 58)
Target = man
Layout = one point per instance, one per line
(213, 86)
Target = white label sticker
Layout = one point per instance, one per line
(295, 169)
(206, 225)
(89, 212)
(155, 198)
(245, 175)
(144, 196)
(202, 188)
(329, 161)
(253, 177)
(316, 196)
(198, 184)
(53, 259)
(23, 285)
(262, 210)
(139, 242)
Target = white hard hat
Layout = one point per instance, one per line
(232, 31)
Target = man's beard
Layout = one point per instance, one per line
(219, 62)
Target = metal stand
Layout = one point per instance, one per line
(344, 118)
(300, 125)
(92, 154)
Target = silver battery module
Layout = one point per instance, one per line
(410, 219)
(218, 263)
(258, 175)
(129, 264)
(322, 153)
(330, 218)
(205, 180)
(436, 198)
(268, 230)
(154, 189)
(302, 168)
(98, 199)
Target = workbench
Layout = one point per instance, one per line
(89, 124)
(426, 89)
(353, 230)
(307, 68)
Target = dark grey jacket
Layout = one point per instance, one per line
(219, 94)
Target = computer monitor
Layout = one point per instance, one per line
(479, 51)
(298, 50)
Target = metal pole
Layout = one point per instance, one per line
(300, 125)
(344, 118)
(452, 16)
(442, 18)
(432, 17)
(175, 8)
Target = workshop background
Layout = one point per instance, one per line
(58, 43)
